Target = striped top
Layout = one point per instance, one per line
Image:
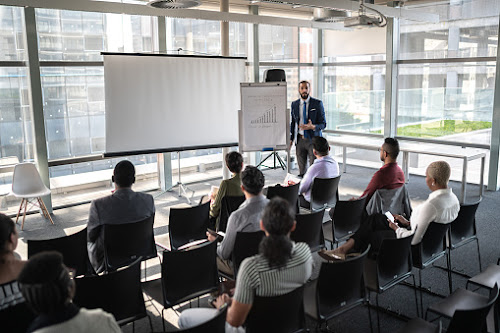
(10, 295)
(256, 278)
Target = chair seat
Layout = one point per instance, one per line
(327, 231)
(418, 325)
(461, 299)
(31, 195)
(153, 289)
(487, 278)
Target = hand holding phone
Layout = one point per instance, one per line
(389, 216)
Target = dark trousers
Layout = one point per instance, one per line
(373, 230)
(304, 149)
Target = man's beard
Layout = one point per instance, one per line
(304, 95)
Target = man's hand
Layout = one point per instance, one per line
(392, 225)
(404, 222)
(308, 126)
(222, 299)
(210, 237)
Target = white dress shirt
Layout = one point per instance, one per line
(441, 206)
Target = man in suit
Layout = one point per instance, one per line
(309, 116)
(121, 207)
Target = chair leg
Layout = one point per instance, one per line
(163, 320)
(41, 208)
(133, 327)
(421, 293)
(19, 211)
(479, 256)
(450, 278)
(378, 316)
(150, 324)
(24, 215)
(48, 214)
(416, 298)
(370, 315)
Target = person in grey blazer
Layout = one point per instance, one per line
(122, 207)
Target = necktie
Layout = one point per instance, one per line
(306, 133)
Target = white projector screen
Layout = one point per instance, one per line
(158, 103)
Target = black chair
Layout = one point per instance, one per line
(185, 275)
(418, 325)
(471, 307)
(324, 193)
(431, 248)
(463, 229)
(289, 193)
(17, 318)
(215, 325)
(278, 314)
(73, 249)
(188, 224)
(392, 266)
(124, 243)
(339, 288)
(228, 205)
(246, 244)
(346, 219)
(309, 229)
(118, 293)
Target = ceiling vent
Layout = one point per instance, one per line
(174, 4)
(329, 15)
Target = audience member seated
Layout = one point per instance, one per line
(280, 267)
(47, 287)
(441, 206)
(230, 187)
(10, 266)
(324, 166)
(244, 219)
(122, 207)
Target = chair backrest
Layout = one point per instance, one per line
(188, 273)
(472, 320)
(464, 226)
(289, 193)
(432, 246)
(73, 249)
(309, 229)
(347, 216)
(26, 180)
(228, 205)
(188, 224)
(16, 318)
(124, 243)
(324, 193)
(278, 314)
(215, 325)
(394, 261)
(396, 201)
(118, 293)
(246, 244)
(340, 285)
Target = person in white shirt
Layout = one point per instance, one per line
(441, 206)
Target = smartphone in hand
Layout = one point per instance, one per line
(390, 216)
(220, 235)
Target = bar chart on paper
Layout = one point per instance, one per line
(268, 117)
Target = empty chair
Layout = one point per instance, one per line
(73, 249)
(340, 287)
(246, 245)
(324, 193)
(463, 229)
(185, 274)
(118, 292)
(289, 193)
(418, 325)
(346, 219)
(188, 224)
(431, 248)
(124, 243)
(470, 307)
(27, 185)
(488, 278)
(309, 229)
(277, 314)
(215, 325)
(228, 205)
(393, 265)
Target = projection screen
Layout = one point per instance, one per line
(157, 103)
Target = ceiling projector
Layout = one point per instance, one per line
(362, 21)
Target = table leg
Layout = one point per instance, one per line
(481, 181)
(344, 159)
(464, 181)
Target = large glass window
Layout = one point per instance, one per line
(278, 43)
(12, 45)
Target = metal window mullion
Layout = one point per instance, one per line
(391, 73)
(495, 132)
(36, 101)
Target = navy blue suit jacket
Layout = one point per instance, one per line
(315, 112)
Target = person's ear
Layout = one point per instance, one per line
(113, 178)
(261, 224)
(133, 180)
(293, 226)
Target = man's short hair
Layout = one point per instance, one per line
(440, 171)
(45, 282)
(234, 161)
(124, 174)
(252, 180)
(391, 147)
(305, 81)
(320, 144)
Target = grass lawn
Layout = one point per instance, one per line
(441, 128)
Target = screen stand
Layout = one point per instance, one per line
(182, 188)
(276, 156)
